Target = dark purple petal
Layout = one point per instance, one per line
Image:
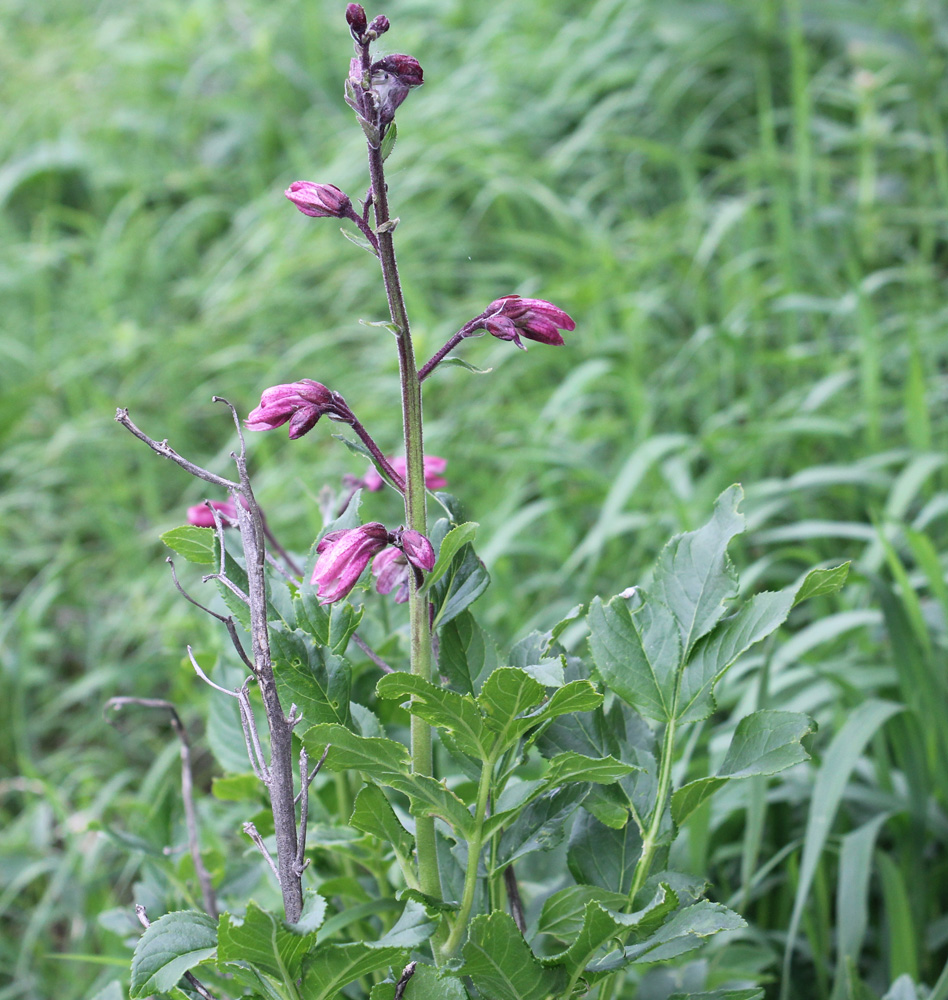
(356, 19)
(418, 550)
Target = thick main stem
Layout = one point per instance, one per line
(415, 515)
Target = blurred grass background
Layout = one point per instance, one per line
(743, 204)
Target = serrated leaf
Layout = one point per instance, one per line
(468, 654)
(372, 755)
(757, 619)
(264, 941)
(426, 983)
(452, 543)
(541, 825)
(388, 141)
(428, 901)
(463, 582)
(443, 708)
(171, 946)
(310, 676)
(600, 855)
(506, 694)
(763, 743)
(412, 928)
(571, 766)
(333, 966)
(564, 912)
(601, 926)
(372, 813)
(638, 654)
(693, 577)
(501, 964)
(312, 915)
(683, 932)
(330, 625)
(197, 545)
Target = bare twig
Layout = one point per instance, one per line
(208, 895)
(303, 798)
(371, 654)
(252, 833)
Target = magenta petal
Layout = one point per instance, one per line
(418, 550)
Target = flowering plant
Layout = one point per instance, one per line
(539, 749)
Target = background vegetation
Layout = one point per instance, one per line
(744, 205)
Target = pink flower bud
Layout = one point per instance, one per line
(200, 516)
(380, 25)
(355, 16)
(342, 556)
(321, 201)
(302, 403)
(511, 316)
(418, 550)
(434, 466)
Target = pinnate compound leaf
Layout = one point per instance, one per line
(197, 545)
(686, 930)
(763, 743)
(450, 546)
(443, 708)
(310, 676)
(372, 813)
(333, 966)
(501, 964)
(760, 616)
(264, 941)
(637, 653)
(694, 577)
(173, 945)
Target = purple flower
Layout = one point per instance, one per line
(390, 568)
(200, 516)
(434, 466)
(355, 16)
(302, 403)
(417, 549)
(342, 556)
(392, 77)
(510, 317)
(321, 201)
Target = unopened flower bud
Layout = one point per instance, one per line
(342, 556)
(201, 517)
(418, 550)
(355, 16)
(511, 317)
(302, 403)
(392, 77)
(380, 25)
(319, 200)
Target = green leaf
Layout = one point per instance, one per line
(460, 363)
(330, 625)
(173, 945)
(372, 755)
(237, 787)
(683, 932)
(506, 694)
(373, 814)
(638, 654)
(757, 619)
(753, 993)
(600, 855)
(541, 825)
(571, 766)
(388, 141)
(197, 545)
(763, 743)
(264, 941)
(333, 966)
(468, 654)
(425, 984)
(463, 582)
(452, 543)
(693, 577)
(564, 912)
(309, 675)
(443, 708)
(501, 964)
(601, 926)
(313, 914)
(412, 928)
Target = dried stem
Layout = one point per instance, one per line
(208, 895)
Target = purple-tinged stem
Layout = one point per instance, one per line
(436, 360)
(380, 459)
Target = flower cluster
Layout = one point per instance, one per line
(510, 317)
(343, 555)
(301, 403)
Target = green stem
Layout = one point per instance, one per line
(474, 846)
(429, 876)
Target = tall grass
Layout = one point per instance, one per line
(745, 206)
